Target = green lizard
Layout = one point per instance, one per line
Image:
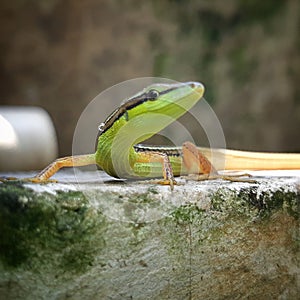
(120, 154)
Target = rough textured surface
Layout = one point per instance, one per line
(116, 240)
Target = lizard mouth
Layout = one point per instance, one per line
(197, 87)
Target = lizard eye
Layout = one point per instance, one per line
(152, 95)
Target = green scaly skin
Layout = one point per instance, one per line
(120, 154)
(136, 120)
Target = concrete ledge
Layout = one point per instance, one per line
(137, 240)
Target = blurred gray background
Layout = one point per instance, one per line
(61, 54)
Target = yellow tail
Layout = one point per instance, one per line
(246, 160)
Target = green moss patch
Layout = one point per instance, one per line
(40, 224)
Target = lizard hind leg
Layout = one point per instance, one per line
(200, 168)
(195, 162)
(68, 161)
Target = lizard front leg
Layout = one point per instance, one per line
(149, 157)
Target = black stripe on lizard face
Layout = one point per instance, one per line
(130, 104)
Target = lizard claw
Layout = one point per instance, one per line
(170, 182)
(39, 180)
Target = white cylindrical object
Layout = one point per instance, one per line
(27, 138)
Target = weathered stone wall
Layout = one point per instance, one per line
(214, 240)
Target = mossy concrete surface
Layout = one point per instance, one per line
(138, 240)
